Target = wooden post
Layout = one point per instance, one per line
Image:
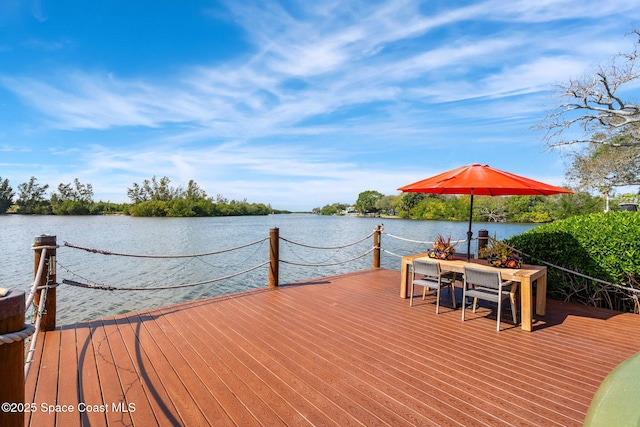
(274, 256)
(376, 245)
(12, 357)
(483, 239)
(48, 277)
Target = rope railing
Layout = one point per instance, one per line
(37, 329)
(327, 247)
(36, 281)
(158, 288)
(47, 262)
(426, 242)
(105, 252)
(386, 251)
(88, 283)
(329, 264)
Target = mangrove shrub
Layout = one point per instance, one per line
(604, 246)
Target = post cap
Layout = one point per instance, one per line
(44, 238)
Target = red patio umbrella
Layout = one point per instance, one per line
(481, 180)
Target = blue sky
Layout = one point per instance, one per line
(295, 104)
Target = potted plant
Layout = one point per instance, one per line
(442, 248)
(499, 254)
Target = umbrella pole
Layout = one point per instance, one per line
(470, 233)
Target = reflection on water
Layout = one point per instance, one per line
(182, 236)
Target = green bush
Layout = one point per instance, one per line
(150, 208)
(70, 207)
(602, 246)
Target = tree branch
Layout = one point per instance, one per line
(593, 104)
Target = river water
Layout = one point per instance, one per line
(186, 236)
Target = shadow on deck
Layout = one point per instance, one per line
(343, 350)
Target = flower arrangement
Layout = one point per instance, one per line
(442, 248)
(499, 254)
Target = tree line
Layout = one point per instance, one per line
(529, 209)
(154, 197)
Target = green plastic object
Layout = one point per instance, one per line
(617, 401)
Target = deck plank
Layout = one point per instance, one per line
(46, 384)
(132, 405)
(219, 367)
(168, 365)
(68, 377)
(161, 406)
(88, 376)
(343, 350)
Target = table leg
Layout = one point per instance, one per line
(526, 304)
(541, 295)
(404, 276)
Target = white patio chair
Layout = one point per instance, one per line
(488, 285)
(433, 278)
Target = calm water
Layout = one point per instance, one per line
(181, 236)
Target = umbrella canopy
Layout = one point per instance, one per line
(481, 180)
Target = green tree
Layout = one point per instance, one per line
(334, 209)
(367, 201)
(75, 199)
(153, 189)
(31, 198)
(406, 202)
(491, 209)
(161, 190)
(137, 194)
(194, 192)
(6, 195)
(562, 206)
(386, 204)
(603, 167)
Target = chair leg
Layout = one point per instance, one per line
(453, 295)
(475, 304)
(499, 313)
(424, 293)
(464, 298)
(514, 309)
(438, 300)
(411, 297)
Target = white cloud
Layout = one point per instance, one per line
(321, 88)
(344, 61)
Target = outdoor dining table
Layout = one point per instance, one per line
(525, 276)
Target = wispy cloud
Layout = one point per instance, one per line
(322, 89)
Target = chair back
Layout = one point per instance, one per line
(483, 278)
(426, 268)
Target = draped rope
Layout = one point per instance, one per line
(104, 252)
(420, 241)
(327, 247)
(36, 281)
(157, 288)
(391, 253)
(34, 339)
(328, 264)
(17, 336)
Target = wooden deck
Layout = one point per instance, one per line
(344, 350)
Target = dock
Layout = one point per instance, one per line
(343, 350)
